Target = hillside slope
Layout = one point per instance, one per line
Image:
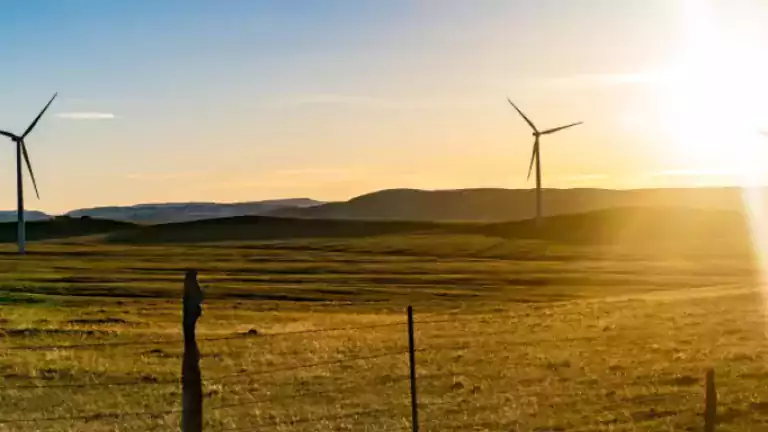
(62, 227)
(496, 205)
(29, 215)
(245, 228)
(191, 211)
(660, 227)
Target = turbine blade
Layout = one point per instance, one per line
(534, 154)
(8, 134)
(553, 130)
(29, 166)
(527, 120)
(37, 119)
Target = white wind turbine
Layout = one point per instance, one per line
(536, 154)
(21, 151)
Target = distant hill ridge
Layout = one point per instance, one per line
(497, 205)
(190, 211)
(30, 215)
(468, 205)
(664, 228)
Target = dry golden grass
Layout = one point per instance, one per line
(578, 340)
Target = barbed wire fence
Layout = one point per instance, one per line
(400, 396)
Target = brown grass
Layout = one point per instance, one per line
(566, 339)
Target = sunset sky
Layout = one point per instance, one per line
(246, 100)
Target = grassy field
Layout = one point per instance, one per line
(513, 335)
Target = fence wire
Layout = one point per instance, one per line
(457, 391)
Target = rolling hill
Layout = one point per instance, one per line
(465, 205)
(190, 211)
(62, 227)
(250, 228)
(662, 227)
(657, 227)
(496, 205)
(30, 215)
(661, 216)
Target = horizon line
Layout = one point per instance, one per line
(321, 201)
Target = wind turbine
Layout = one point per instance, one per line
(536, 154)
(21, 151)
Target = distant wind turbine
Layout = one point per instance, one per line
(21, 150)
(536, 154)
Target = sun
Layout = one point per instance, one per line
(714, 96)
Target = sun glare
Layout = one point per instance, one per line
(716, 106)
(714, 95)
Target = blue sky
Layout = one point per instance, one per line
(246, 99)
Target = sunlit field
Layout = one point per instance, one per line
(511, 335)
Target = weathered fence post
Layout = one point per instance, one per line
(710, 410)
(191, 381)
(412, 361)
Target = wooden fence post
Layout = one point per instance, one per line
(191, 381)
(710, 410)
(412, 361)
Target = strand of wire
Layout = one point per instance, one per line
(245, 335)
(121, 414)
(215, 378)
(91, 417)
(336, 390)
(311, 419)
(99, 416)
(116, 415)
(203, 339)
(327, 418)
(457, 347)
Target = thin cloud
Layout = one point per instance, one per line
(315, 172)
(702, 177)
(685, 172)
(294, 177)
(86, 116)
(608, 79)
(585, 177)
(359, 101)
(162, 176)
(582, 180)
(329, 99)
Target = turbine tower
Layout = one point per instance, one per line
(21, 151)
(536, 154)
